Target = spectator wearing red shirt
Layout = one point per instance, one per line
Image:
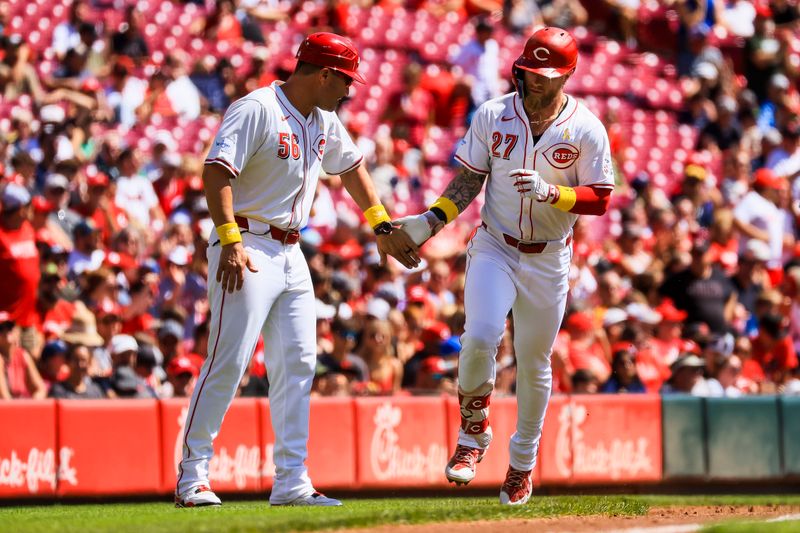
(585, 351)
(410, 109)
(667, 341)
(19, 260)
(53, 313)
(773, 348)
(19, 377)
(100, 207)
(168, 185)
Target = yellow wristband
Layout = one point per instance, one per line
(229, 233)
(447, 206)
(566, 199)
(376, 215)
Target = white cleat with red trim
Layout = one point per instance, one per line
(201, 496)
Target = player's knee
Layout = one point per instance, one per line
(479, 344)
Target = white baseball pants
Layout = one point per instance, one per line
(277, 301)
(534, 287)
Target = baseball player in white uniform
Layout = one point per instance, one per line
(260, 177)
(547, 160)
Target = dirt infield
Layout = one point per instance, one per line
(657, 516)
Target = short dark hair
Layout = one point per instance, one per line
(306, 68)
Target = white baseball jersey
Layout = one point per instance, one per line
(276, 155)
(573, 151)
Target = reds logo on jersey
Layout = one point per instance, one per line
(562, 155)
(320, 146)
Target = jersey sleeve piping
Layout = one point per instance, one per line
(222, 162)
(353, 166)
(470, 167)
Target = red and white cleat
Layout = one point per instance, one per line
(461, 468)
(201, 496)
(517, 487)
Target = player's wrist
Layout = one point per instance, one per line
(229, 233)
(565, 198)
(446, 207)
(377, 215)
(435, 222)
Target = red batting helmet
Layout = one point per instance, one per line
(550, 52)
(332, 51)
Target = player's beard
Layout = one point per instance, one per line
(538, 101)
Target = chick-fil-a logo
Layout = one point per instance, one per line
(38, 468)
(388, 460)
(618, 458)
(238, 466)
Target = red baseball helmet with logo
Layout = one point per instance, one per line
(332, 51)
(550, 52)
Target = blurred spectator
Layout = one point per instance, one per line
(52, 364)
(585, 349)
(758, 216)
(726, 376)
(135, 193)
(19, 377)
(125, 382)
(182, 375)
(385, 370)
(78, 384)
(86, 255)
(687, 376)
(19, 261)
(129, 40)
(66, 35)
(182, 93)
(479, 60)
(584, 382)
(17, 75)
(409, 111)
(762, 52)
(703, 291)
(773, 348)
(623, 373)
(750, 277)
(626, 13)
(341, 359)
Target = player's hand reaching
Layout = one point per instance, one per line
(420, 227)
(531, 185)
(232, 262)
(400, 246)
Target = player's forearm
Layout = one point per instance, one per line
(463, 189)
(358, 185)
(582, 200)
(218, 194)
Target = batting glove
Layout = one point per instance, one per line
(531, 185)
(420, 227)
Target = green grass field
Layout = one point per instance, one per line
(252, 516)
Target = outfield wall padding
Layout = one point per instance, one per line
(684, 437)
(790, 421)
(744, 438)
(74, 448)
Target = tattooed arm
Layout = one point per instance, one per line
(456, 197)
(463, 189)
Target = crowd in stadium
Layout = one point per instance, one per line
(691, 283)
